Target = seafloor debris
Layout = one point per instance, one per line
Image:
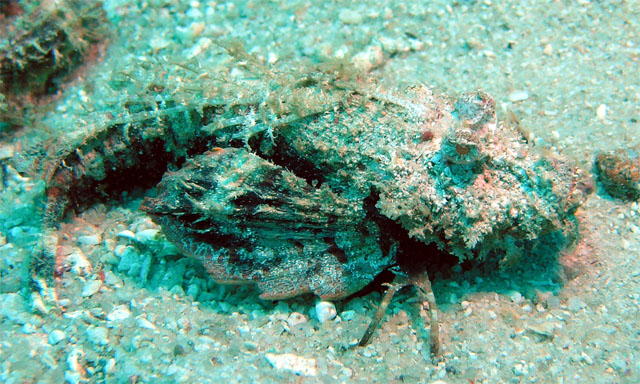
(619, 173)
(42, 46)
(316, 184)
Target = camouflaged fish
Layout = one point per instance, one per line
(317, 186)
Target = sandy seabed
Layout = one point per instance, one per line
(566, 70)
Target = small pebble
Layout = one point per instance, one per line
(89, 239)
(520, 95)
(110, 366)
(6, 151)
(370, 58)
(520, 369)
(147, 235)
(348, 16)
(296, 318)
(369, 351)
(91, 287)
(37, 304)
(56, 336)
(120, 312)
(75, 374)
(98, 335)
(348, 315)
(80, 264)
(601, 112)
(64, 303)
(325, 311)
(544, 329)
(144, 323)
(127, 234)
(250, 345)
(158, 43)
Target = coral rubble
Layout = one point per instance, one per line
(619, 173)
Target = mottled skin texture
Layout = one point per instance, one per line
(302, 198)
(250, 220)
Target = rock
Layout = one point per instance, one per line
(348, 315)
(586, 358)
(348, 16)
(147, 235)
(144, 323)
(89, 240)
(76, 371)
(325, 311)
(119, 313)
(98, 335)
(372, 57)
(29, 328)
(110, 366)
(544, 329)
(296, 319)
(56, 336)
(12, 307)
(37, 304)
(91, 287)
(289, 362)
(515, 297)
(619, 173)
(80, 264)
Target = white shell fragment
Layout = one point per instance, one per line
(601, 112)
(518, 95)
(292, 363)
(325, 311)
(127, 234)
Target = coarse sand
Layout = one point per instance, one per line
(134, 311)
